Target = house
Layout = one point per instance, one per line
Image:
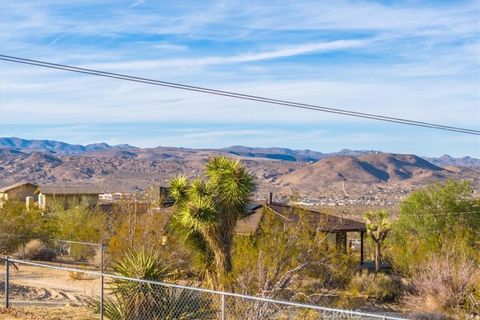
(18, 192)
(159, 195)
(48, 195)
(67, 196)
(337, 228)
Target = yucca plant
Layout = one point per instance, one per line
(135, 300)
(208, 210)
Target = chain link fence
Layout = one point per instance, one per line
(79, 254)
(108, 296)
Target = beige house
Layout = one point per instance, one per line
(18, 192)
(67, 196)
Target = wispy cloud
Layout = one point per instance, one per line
(170, 46)
(283, 52)
(408, 59)
(54, 41)
(137, 3)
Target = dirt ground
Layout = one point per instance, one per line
(35, 285)
(47, 294)
(41, 313)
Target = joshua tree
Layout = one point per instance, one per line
(208, 210)
(378, 226)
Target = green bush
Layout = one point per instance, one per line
(429, 218)
(18, 226)
(80, 224)
(378, 286)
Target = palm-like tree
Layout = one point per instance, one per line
(132, 300)
(208, 210)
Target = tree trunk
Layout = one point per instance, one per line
(223, 259)
(378, 257)
(223, 262)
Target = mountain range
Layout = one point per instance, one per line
(312, 174)
(276, 153)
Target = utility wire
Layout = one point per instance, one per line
(451, 213)
(237, 95)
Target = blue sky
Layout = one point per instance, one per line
(410, 59)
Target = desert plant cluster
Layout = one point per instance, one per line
(433, 248)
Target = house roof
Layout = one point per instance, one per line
(16, 185)
(252, 206)
(324, 222)
(250, 223)
(68, 190)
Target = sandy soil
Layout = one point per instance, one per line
(34, 285)
(48, 294)
(40, 313)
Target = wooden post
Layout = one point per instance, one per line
(341, 240)
(361, 247)
(7, 282)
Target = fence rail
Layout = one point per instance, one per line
(32, 283)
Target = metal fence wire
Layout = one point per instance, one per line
(79, 253)
(108, 296)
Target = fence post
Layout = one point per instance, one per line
(101, 281)
(224, 313)
(7, 280)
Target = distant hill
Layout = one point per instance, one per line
(355, 173)
(276, 153)
(365, 169)
(158, 153)
(49, 145)
(40, 145)
(447, 160)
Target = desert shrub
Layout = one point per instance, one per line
(148, 230)
(76, 275)
(287, 260)
(19, 225)
(337, 270)
(431, 217)
(82, 252)
(427, 316)
(137, 229)
(78, 223)
(447, 283)
(36, 250)
(378, 286)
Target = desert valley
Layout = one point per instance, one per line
(340, 178)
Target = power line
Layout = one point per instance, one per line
(452, 213)
(237, 95)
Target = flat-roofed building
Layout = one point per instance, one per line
(67, 196)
